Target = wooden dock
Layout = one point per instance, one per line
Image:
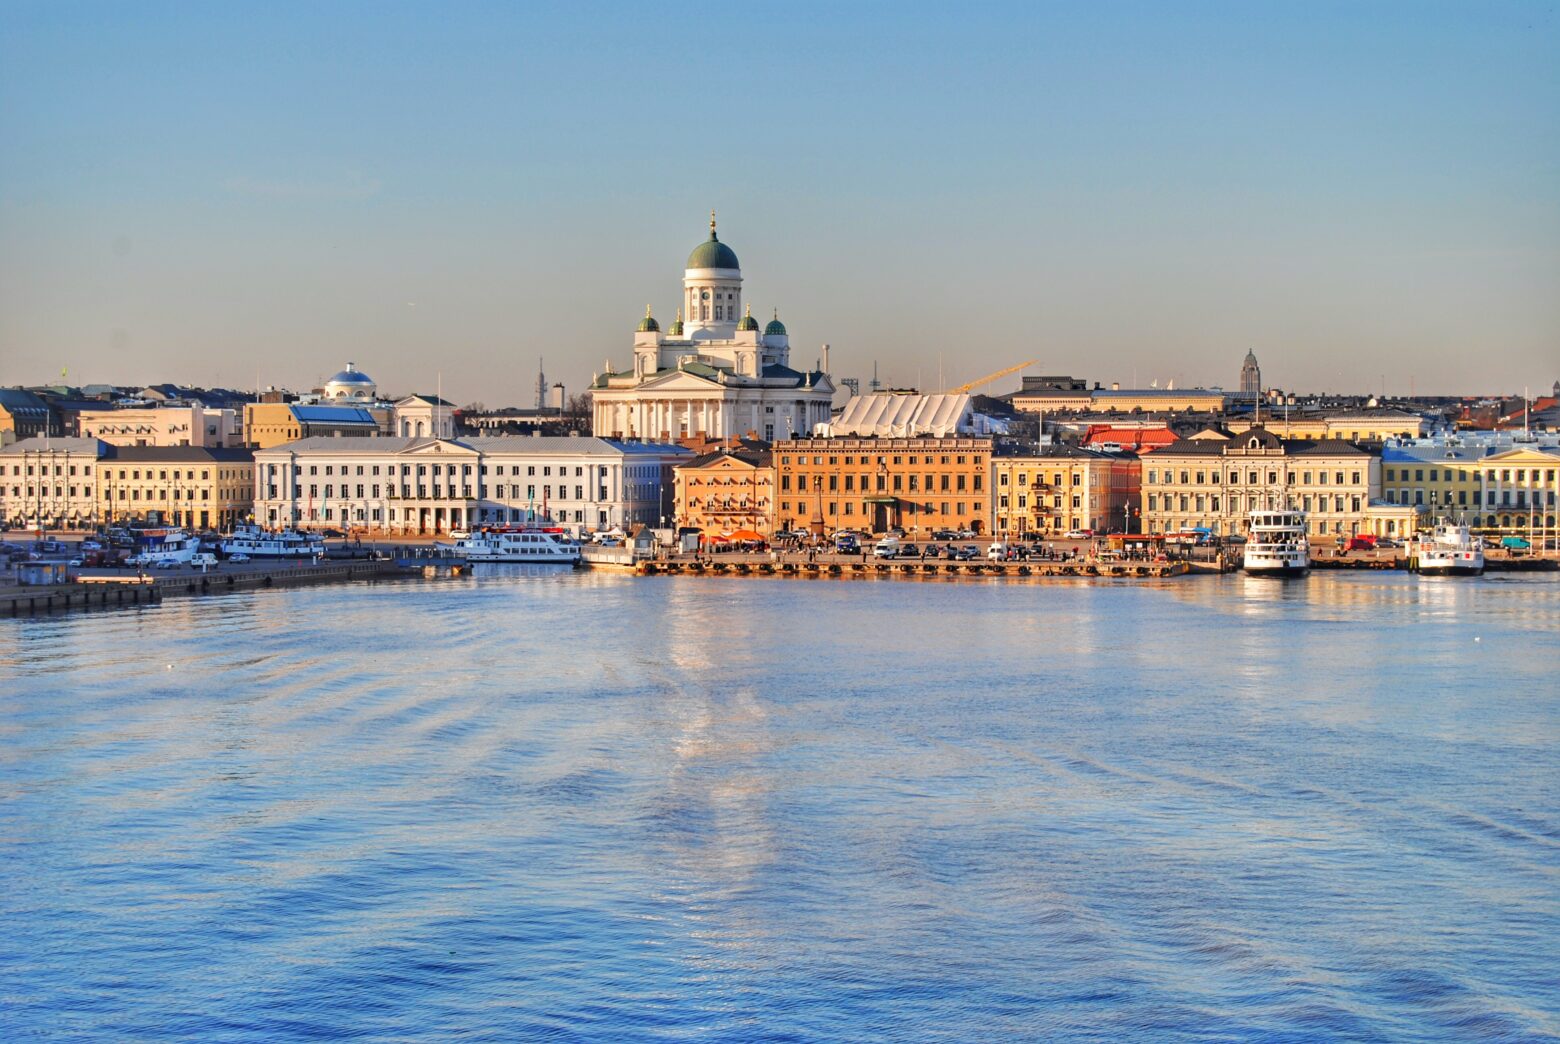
(1045, 570)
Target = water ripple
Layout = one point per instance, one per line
(583, 807)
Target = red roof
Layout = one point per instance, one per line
(1139, 440)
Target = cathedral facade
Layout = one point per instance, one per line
(714, 373)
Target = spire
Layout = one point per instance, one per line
(712, 223)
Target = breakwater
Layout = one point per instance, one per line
(108, 591)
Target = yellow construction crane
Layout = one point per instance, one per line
(990, 377)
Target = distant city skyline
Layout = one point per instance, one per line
(1360, 195)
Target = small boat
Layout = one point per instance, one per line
(262, 543)
(1276, 544)
(519, 544)
(1447, 550)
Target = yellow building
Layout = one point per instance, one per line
(1158, 400)
(1352, 426)
(922, 485)
(1518, 492)
(1495, 484)
(727, 492)
(268, 424)
(162, 426)
(1064, 488)
(52, 480)
(1215, 483)
(175, 485)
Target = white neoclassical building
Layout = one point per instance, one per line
(425, 485)
(714, 373)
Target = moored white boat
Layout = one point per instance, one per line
(1447, 550)
(1276, 544)
(521, 544)
(262, 543)
(159, 547)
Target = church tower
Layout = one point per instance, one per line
(1250, 378)
(712, 289)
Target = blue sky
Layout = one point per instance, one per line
(1358, 192)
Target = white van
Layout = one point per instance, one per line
(888, 547)
(997, 552)
(203, 560)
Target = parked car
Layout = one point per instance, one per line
(336, 533)
(168, 563)
(240, 558)
(967, 553)
(1079, 534)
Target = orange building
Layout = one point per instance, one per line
(726, 492)
(917, 484)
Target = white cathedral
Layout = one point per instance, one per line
(714, 374)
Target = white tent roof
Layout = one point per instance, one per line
(907, 416)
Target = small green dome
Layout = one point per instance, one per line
(775, 328)
(712, 253)
(648, 323)
(748, 322)
(676, 329)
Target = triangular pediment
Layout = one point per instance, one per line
(1519, 456)
(678, 380)
(441, 448)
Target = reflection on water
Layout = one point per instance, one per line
(548, 803)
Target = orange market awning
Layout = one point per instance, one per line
(745, 534)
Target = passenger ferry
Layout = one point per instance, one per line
(160, 547)
(1448, 550)
(1277, 544)
(519, 544)
(284, 543)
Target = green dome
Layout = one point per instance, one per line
(775, 328)
(748, 322)
(648, 323)
(676, 329)
(712, 253)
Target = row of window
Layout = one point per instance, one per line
(1183, 502)
(1253, 477)
(848, 459)
(1492, 498)
(134, 474)
(448, 469)
(1074, 478)
(439, 491)
(1452, 475)
(883, 483)
(119, 493)
(1056, 500)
